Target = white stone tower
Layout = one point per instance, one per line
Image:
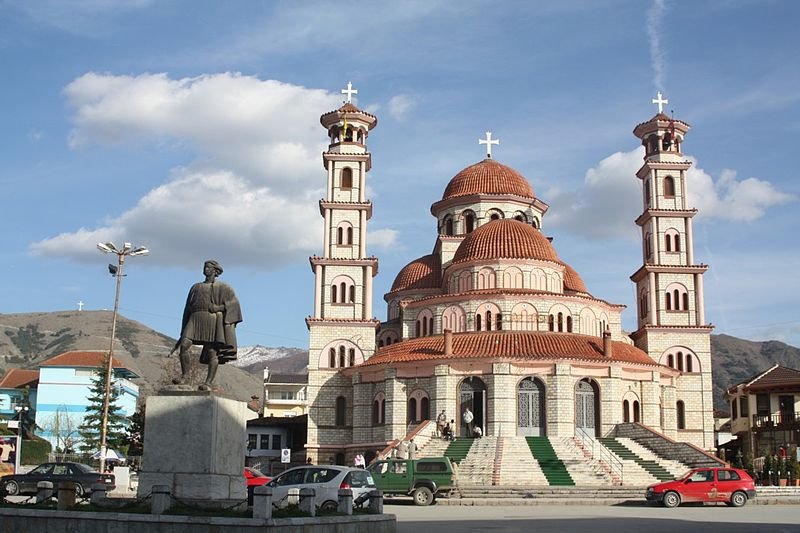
(669, 286)
(342, 329)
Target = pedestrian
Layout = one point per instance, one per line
(358, 461)
(309, 461)
(441, 421)
(448, 430)
(468, 417)
(412, 449)
(477, 432)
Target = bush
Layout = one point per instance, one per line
(35, 451)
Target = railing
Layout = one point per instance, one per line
(777, 421)
(601, 453)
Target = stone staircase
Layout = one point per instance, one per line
(517, 467)
(478, 467)
(666, 448)
(636, 470)
(552, 466)
(675, 468)
(584, 471)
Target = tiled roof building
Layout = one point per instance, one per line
(494, 321)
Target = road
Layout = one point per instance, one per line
(595, 519)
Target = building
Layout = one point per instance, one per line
(18, 392)
(493, 321)
(285, 394)
(62, 396)
(765, 411)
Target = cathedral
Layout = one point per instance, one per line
(493, 321)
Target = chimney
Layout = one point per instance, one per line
(448, 343)
(607, 350)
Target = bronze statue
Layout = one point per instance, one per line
(209, 319)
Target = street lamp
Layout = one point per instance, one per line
(21, 409)
(114, 270)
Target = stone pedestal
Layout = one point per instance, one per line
(195, 444)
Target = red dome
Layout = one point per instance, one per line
(422, 273)
(572, 281)
(488, 177)
(505, 239)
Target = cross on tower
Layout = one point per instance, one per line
(489, 142)
(349, 92)
(80, 305)
(660, 102)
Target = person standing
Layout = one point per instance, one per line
(412, 449)
(441, 422)
(468, 417)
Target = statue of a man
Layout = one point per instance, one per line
(209, 319)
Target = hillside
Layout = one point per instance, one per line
(28, 338)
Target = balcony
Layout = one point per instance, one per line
(776, 422)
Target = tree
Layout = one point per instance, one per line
(136, 432)
(89, 430)
(63, 425)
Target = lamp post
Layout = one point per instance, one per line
(21, 409)
(114, 270)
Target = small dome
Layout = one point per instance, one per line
(505, 239)
(488, 177)
(422, 273)
(573, 281)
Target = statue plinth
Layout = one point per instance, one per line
(195, 443)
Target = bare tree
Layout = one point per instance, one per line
(63, 425)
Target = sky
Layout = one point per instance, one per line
(192, 127)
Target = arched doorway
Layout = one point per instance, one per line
(587, 407)
(530, 408)
(472, 396)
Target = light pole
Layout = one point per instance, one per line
(114, 270)
(21, 409)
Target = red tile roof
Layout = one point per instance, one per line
(88, 358)
(488, 177)
(523, 345)
(777, 377)
(572, 281)
(17, 378)
(505, 239)
(422, 273)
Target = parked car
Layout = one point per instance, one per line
(82, 475)
(325, 480)
(255, 478)
(422, 479)
(733, 486)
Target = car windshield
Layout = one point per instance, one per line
(685, 475)
(42, 469)
(253, 472)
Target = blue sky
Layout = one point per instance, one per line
(192, 127)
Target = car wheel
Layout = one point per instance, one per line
(329, 506)
(12, 488)
(78, 490)
(672, 499)
(738, 499)
(423, 496)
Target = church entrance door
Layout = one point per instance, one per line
(472, 395)
(587, 407)
(530, 408)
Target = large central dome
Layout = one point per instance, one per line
(505, 239)
(488, 177)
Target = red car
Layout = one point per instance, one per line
(255, 478)
(730, 485)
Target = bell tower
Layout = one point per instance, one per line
(669, 285)
(342, 329)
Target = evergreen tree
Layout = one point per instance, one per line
(136, 432)
(116, 437)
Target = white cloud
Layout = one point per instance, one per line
(611, 198)
(383, 238)
(249, 199)
(657, 55)
(399, 106)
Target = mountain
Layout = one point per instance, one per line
(26, 339)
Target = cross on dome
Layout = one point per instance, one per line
(660, 101)
(349, 92)
(489, 142)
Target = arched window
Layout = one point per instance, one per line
(524, 317)
(680, 361)
(347, 177)
(352, 294)
(648, 245)
(671, 361)
(652, 145)
(647, 192)
(350, 235)
(672, 240)
(478, 322)
(486, 278)
(512, 278)
(569, 323)
(418, 406)
(341, 357)
(680, 358)
(626, 414)
(454, 319)
(333, 293)
(425, 409)
(560, 322)
(418, 331)
(343, 290)
(535, 223)
(669, 187)
(498, 320)
(341, 411)
(464, 281)
(676, 297)
(340, 235)
(520, 216)
(412, 410)
(469, 222)
(495, 214)
(448, 225)
(643, 303)
(332, 358)
(680, 412)
(379, 409)
(550, 323)
(352, 356)
(689, 363)
(636, 411)
(425, 323)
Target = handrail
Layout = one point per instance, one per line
(603, 454)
